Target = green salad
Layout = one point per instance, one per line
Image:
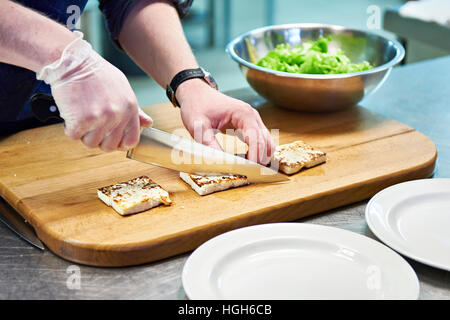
(311, 57)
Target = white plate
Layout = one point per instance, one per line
(297, 261)
(413, 218)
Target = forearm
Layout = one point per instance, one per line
(29, 39)
(153, 36)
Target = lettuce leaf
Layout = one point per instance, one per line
(311, 57)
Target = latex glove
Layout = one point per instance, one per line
(205, 110)
(94, 98)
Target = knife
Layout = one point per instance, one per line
(174, 152)
(17, 224)
(170, 151)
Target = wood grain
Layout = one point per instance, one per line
(52, 182)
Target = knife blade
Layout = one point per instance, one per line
(174, 152)
(18, 225)
(170, 151)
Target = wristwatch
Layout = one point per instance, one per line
(185, 75)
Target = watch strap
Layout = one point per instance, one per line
(179, 78)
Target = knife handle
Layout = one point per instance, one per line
(44, 107)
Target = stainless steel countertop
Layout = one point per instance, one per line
(417, 95)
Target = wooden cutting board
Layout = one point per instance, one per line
(52, 182)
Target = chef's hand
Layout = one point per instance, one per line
(94, 99)
(205, 110)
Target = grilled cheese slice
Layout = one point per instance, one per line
(206, 184)
(133, 196)
(297, 155)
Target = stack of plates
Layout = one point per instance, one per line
(306, 261)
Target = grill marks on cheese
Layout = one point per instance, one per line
(141, 194)
(133, 196)
(291, 157)
(297, 155)
(206, 184)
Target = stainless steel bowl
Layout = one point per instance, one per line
(312, 92)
